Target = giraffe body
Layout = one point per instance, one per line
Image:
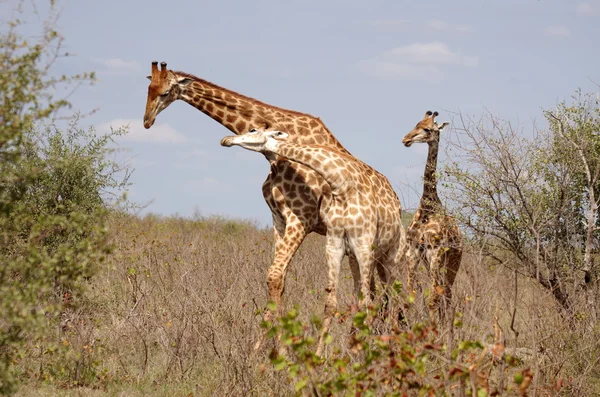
(297, 196)
(433, 236)
(362, 219)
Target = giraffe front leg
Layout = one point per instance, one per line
(286, 246)
(288, 238)
(439, 289)
(335, 254)
(412, 260)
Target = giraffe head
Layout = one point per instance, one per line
(426, 130)
(165, 87)
(256, 140)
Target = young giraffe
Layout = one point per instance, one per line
(297, 196)
(363, 218)
(433, 236)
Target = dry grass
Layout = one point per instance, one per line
(176, 311)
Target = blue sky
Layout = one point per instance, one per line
(369, 69)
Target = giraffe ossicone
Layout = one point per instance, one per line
(364, 216)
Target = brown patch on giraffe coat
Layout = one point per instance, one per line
(289, 174)
(241, 126)
(291, 194)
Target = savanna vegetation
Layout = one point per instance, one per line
(96, 301)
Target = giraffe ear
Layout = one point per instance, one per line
(149, 78)
(444, 124)
(184, 80)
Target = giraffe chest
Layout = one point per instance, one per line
(294, 191)
(426, 235)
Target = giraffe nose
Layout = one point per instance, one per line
(147, 122)
(227, 141)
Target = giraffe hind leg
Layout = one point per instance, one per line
(444, 267)
(335, 254)
(451, 264)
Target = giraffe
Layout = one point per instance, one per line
(297, 196)
(433, 236)
(363, 217)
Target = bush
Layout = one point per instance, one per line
(412, 362)
(54, 187)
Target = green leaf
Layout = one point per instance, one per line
(301, 384)
(359, 319)
(279, 363)
(518, 378)
(272, 306)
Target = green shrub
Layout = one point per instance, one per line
(398, 363)
(54, 187)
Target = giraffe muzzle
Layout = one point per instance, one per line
(148, 123)
(227, 141)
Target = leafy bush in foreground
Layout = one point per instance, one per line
(400, 363)
(52, 210)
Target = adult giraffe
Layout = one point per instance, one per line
(297, 196)
(364, 216)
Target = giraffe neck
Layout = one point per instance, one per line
(430, 201)
(330, 164)
(240, 113)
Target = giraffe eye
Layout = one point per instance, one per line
(165, 93)
(253, 131)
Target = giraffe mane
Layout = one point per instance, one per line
(252, 100)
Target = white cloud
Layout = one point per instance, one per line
(435, 53)
(401, 70)
(419, 60)
(557, 31)
(118, 65)
(158, 133)
(585, 9)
